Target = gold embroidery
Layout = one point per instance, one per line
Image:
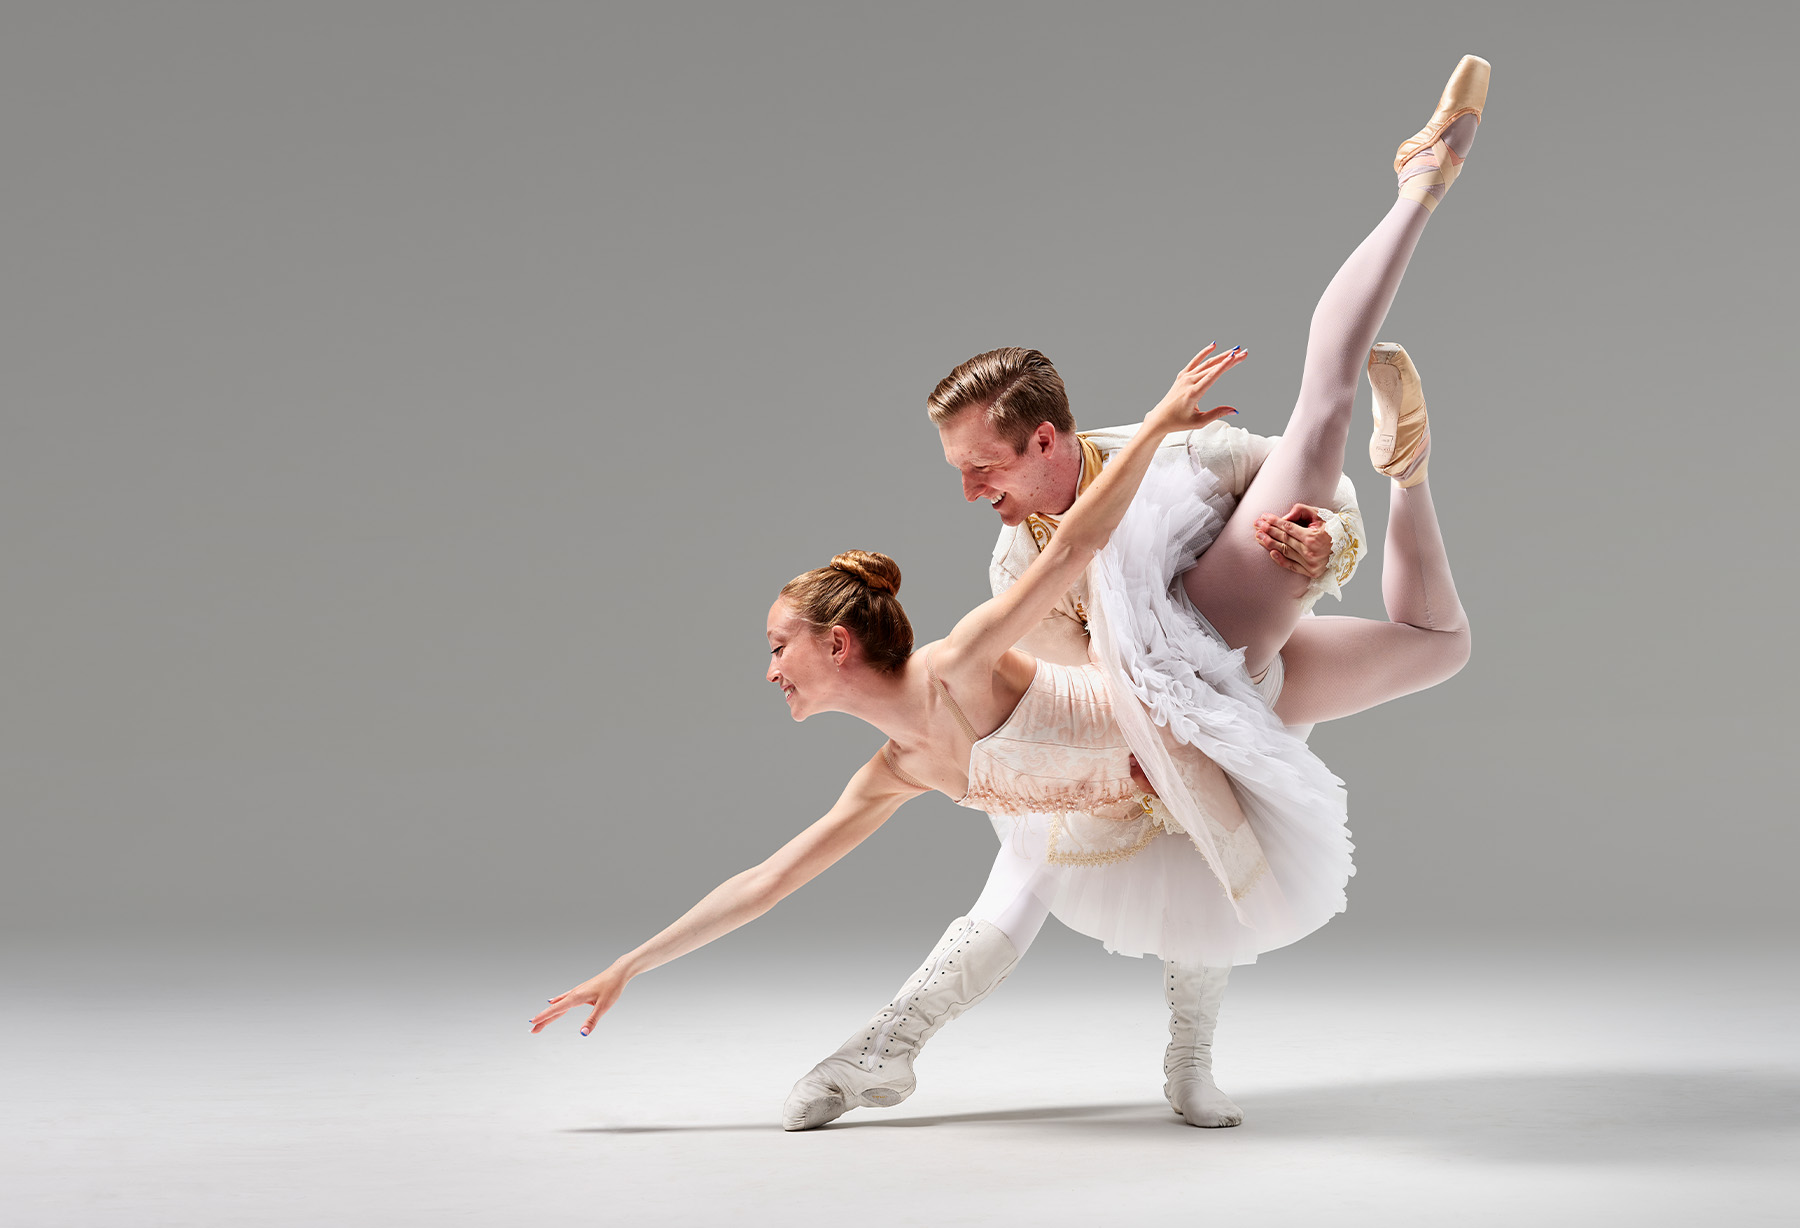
(1043, 526)
(1256, 876)
(1234, 856)
(1352, 547)
(1059, 801)
(1053, 857)
(1262, 868)
(1091, 463)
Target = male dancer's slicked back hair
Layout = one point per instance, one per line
(1015, 389)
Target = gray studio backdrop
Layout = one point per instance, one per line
(411, 410)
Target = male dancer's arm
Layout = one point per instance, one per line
(1342, 521)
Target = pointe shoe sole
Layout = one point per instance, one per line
(1401, 443)
(1464, 94)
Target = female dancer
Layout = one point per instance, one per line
(1264, 812)
(839, 641)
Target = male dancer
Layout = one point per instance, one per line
(1004, 422)
(981, 409)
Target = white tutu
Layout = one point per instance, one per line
(1184, 887)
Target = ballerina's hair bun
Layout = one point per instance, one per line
(856, 591)
(877, 571)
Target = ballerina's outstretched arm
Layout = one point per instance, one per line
(868, 801)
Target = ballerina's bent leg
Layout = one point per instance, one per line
(1336, 666)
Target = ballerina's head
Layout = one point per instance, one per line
(834, 625)
(1003, 418)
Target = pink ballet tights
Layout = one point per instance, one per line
(1336, 666)
(1254, 604)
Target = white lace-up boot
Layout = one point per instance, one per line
(1194, 992)
(874, 1067)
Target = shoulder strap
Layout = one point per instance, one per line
(950, 700)
(887, 757)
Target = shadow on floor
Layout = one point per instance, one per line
(1061, 1112)
(1574, 1116)
(1577, 1116)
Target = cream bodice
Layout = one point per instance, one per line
(1060, 752)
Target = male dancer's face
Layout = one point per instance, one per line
(1017, 483)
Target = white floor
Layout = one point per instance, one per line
(1420, 1087)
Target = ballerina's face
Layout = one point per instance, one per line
(1018, 484)
(803, 661)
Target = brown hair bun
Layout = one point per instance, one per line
(877, 571)
(856, 591)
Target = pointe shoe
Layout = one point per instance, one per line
(1464, 94)
(1401, 444)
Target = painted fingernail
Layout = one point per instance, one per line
(584, 1031)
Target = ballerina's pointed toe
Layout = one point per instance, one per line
(1464, 94)
(1401, 444)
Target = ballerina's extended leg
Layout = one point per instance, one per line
(1255, 606)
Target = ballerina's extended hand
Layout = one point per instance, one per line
(1180, 409)
(600, 992)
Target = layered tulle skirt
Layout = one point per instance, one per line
(1186, 881)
